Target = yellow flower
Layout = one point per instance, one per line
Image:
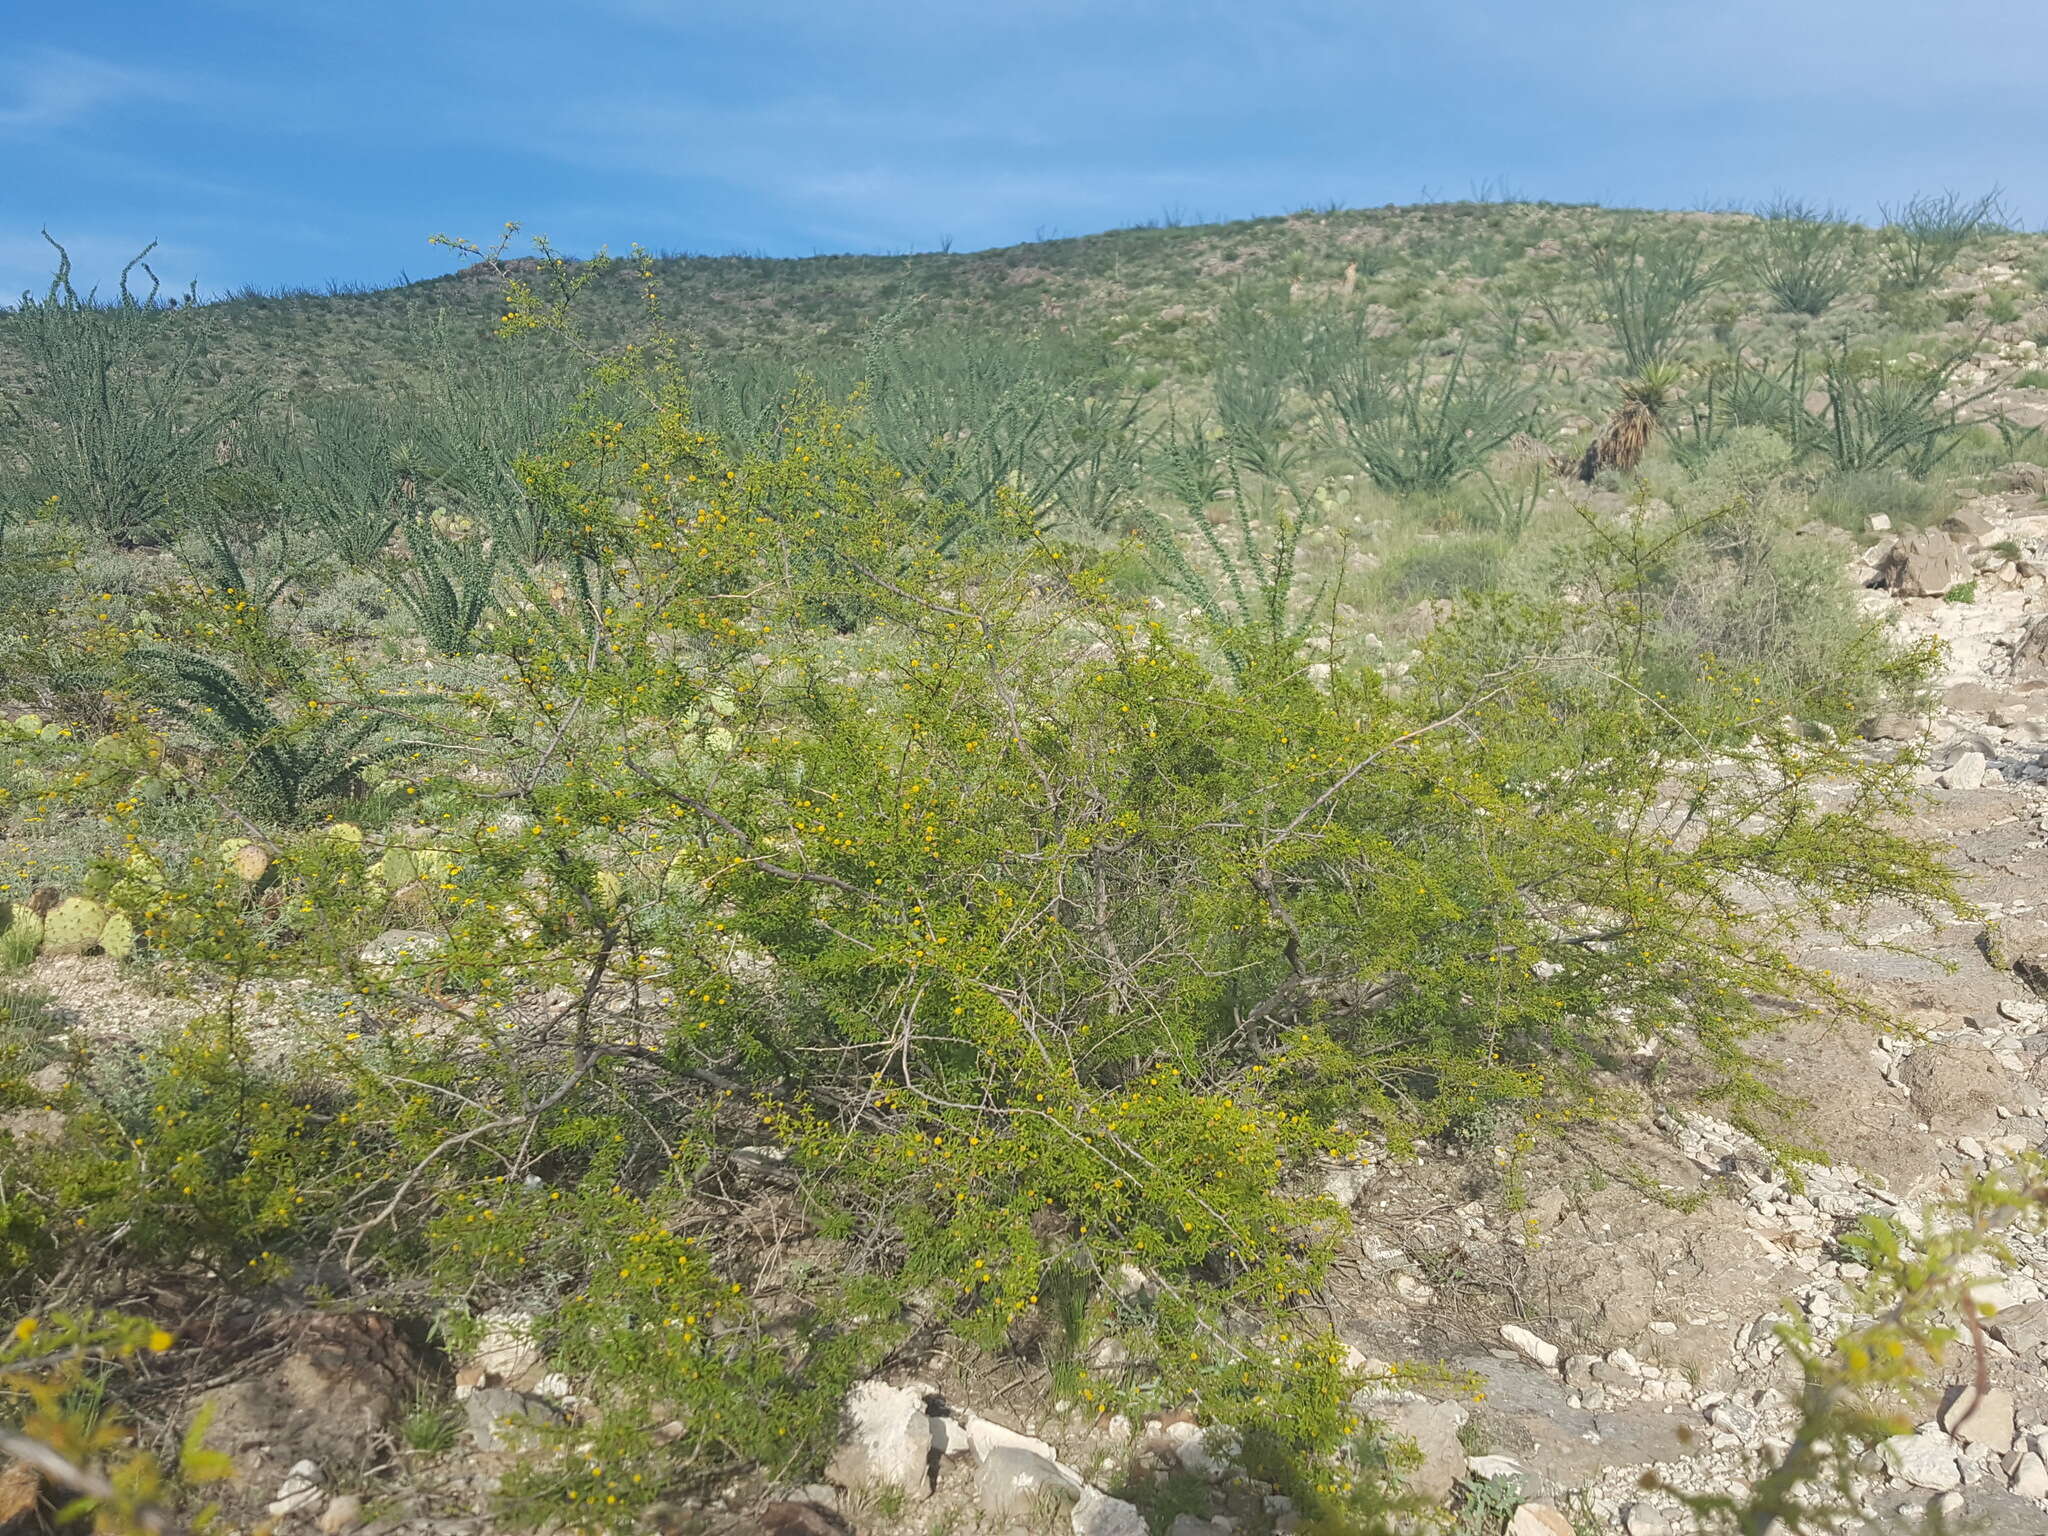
(26, 1329)
(159, 1341)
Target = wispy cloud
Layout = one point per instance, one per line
(43, 89)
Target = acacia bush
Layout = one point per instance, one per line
(805, 816)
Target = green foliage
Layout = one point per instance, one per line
(1803, 256)
(72, 1436)
(1961, 592)
(1923, 236)
(29, 1019)
(1260, 358)
(795, 811)
(1652, 285)
(282, 770)
(1850, 501)
(445, 583)
(1409, 426)
(104, 433)
(1860, 1389)
(347, 475)
(1881, 414)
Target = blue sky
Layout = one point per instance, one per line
(287, 141)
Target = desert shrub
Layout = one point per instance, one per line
(444, 582)
(108, 434)
(1414, 425)
(1259, 359)
(1804, 257)
(1850, 500)
(1652, 285)
(1743, 606)
(1923, 236)
(1737, 393)
(1746, 462)
(832, 824)
(1881, 413)
(1443, 567)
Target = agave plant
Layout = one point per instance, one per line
(281, 771)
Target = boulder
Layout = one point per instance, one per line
(1539, 1520)
(1957, 1088)
(1433, 1428)
(1980, 1418)
(885, 1438)
(2022, 1329)
(1923, 565)
(502, 1420)
(1097, 1514)
(1968, 527)
(1924, 1460)
(347, 1379)
(1016, 1482)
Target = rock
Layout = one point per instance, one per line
(1738, 1419)
(1956, 1088)
(1433, 1427)
(343, 1512)
(1539, 1520)
(507, 1352)
(1946, 1507)
(1965, 773)
(1494, 1466)
(348, 1378)
(1892, 727)
(21, 1494)
(801, 1517)
(1981, 1419)
(987, 1437)
(2022, 1329)
(1194, 1525)
(1967, 527)
(1520, 1339)
(2030, 1477)
(1097, 1514)
(1924, 1460)
(1012, 1481)
(1923, 565)
(299, 1491)
(1641, 1519)
(501, 1419)
(395, 946)
(1204, 1449)
(885, 1438)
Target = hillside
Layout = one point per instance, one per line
(1372, 871)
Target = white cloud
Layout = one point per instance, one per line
(50, 88)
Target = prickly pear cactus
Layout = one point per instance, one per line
(118, 937)
(247, 861)
(73, 926)
(396, 869)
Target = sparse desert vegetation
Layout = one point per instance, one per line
(703, 854)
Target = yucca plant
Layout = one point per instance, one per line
(106, 429)
(482, 414)
(281, 771)
(1802, 256)
(1186, 462)
(1621, 443)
